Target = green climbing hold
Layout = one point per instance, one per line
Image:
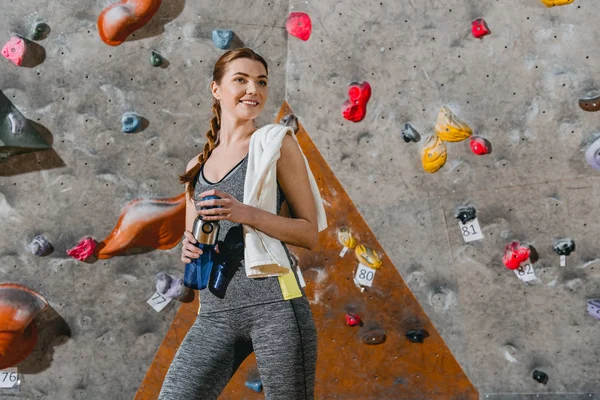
(40, 31)
(156, 59)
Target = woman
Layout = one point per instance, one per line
(252, 315)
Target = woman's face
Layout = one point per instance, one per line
(244, 79)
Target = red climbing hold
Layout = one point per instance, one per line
(479, 28)
(479, 145)
(515, 254)
(15, 50)
(352, 320)
(299, 25)
(355, 109)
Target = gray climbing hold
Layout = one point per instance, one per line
(222, 38)
(169, 287)
(564, 247)
(410, 134)
(40, 246)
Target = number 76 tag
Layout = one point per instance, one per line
(471, 231)
(9, 378)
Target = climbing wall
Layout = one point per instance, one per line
(513, 83)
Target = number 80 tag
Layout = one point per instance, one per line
(364, 275)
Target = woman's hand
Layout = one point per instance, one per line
(231, 209)
(189, 251)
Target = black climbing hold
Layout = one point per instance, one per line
(564, 247)
(540, 377)
(465, 213)
(410, 134)
(417, 335)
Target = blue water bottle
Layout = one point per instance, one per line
(198, 271)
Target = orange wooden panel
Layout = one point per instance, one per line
(346, 368)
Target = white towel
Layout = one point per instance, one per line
(265, 255)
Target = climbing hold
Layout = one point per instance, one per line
(376, 336)
(222, 38)
(540, 377)
(465, 213)
(124, 17)
(146, 223)
(299, 25)
(169, 287)
(17, 136)
(564, 247)
(479, 145)
(156, 59)
(552, 3)
(592, 154)
(353, 320)
(593, 308)
(290, 120)
(515, 254)
(367, 256)
(417, 335)
(590, 104)
(345, 237)
(131, 123)
(40, 31)
(40, 246)
(433, 153)
(15, 50)
(450, 128)
(255, 384)
(17, 123)
(84, 249)
(479, 28)
(410, 134)
(19, 306)
(355, 109)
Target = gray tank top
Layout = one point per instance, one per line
(241, 291)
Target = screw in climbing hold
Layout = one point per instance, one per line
(131, 123)
(299, 25)
(540, 376)
(156, 59)
(39, 31)
(417, 335)
(465, 213)
(254, 384)
(479, 28)
(410, 134)
(222, 38)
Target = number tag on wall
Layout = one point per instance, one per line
(9, 378)
(471, 231)
(158, 301)
(364, 275)
(525, 271)
(343, 252)
(302, 283)
(563, 261)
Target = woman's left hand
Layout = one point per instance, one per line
(231, 209)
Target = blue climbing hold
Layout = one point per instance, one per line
(255, 385)
(131, 123)
(222, 38)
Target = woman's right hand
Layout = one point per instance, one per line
(189, 251)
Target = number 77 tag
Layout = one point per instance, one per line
(158, 301)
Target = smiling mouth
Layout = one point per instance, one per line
(249, 103)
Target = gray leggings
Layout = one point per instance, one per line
(281, 334)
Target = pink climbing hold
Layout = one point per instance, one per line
(479, 28)
(355, 109)
(299, 25)
(15, 50)
(479, 145)
(83, 249)
(515, 254)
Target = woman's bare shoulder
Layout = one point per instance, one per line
(192, 163)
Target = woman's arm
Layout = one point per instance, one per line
(302, 230)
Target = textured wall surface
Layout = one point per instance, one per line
(517, 87)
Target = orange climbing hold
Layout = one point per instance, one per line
(449, 128)
(18, 333)
(122, 18)
(146, 224)
(433, 154)
(552, 3)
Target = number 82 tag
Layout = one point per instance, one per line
(525, 271)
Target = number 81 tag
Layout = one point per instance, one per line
(364, 275)
(525, 271)
(471, 231)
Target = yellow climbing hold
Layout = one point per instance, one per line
(449, 128)
(345, 237)
(433, 153)
(367, 256)
(552, 3)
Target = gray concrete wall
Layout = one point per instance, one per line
(517, 87)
